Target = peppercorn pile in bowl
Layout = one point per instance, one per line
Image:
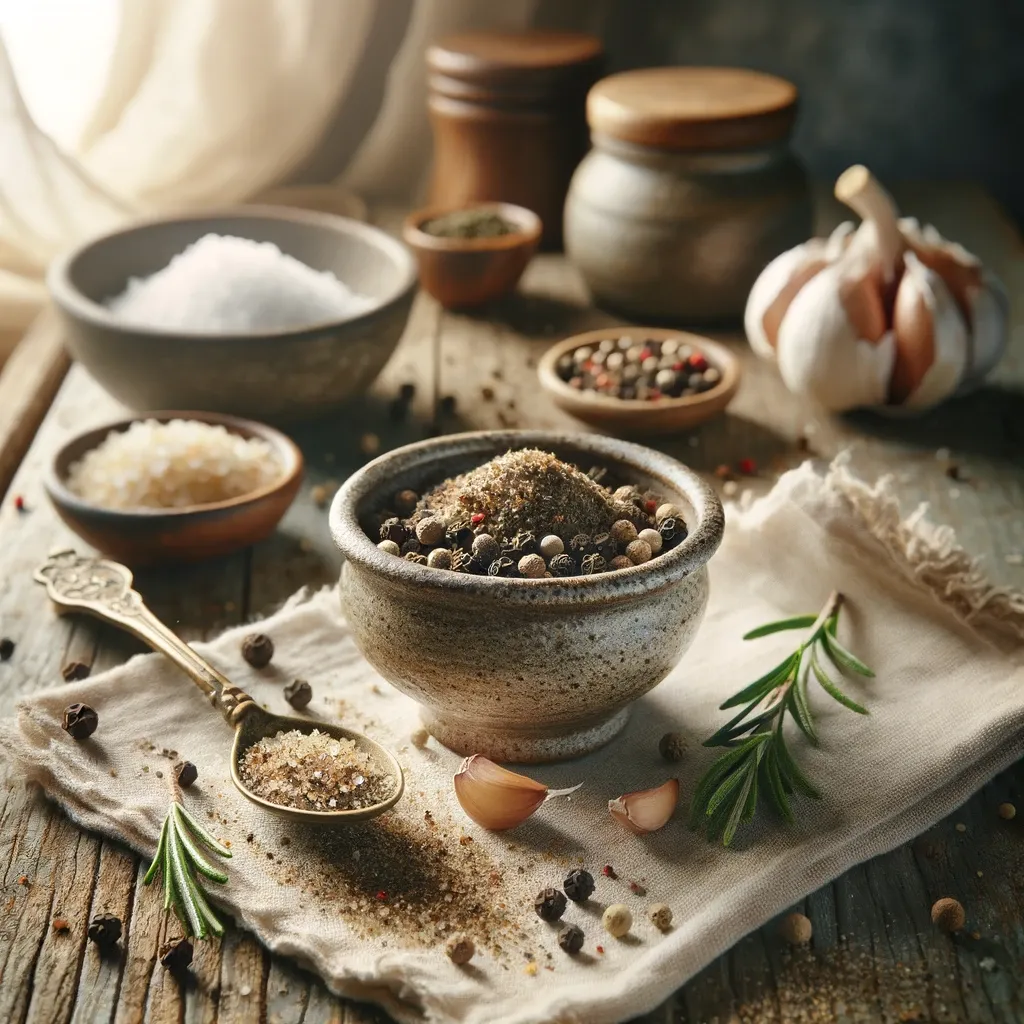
(635, 380)
(527, 514)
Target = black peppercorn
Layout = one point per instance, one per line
(592, 563)
(524, 544)
(605, 546)
(298, 693)
(668, 528)
(80, 721)
(501, 566)
(176, 955)
(580, 544)
(549, 904)
(393, 529)
(258, 649)
(579, 885)
(570, 938)
(186, 773)
(6, 648)
(562, 565)
(411, 546)
(105, 930)
(73, 671)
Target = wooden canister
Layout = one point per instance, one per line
(508, 115)
(689, 191)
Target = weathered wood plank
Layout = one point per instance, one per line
(28, 381)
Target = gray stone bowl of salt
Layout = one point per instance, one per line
(267, 312)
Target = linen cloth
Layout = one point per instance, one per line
(947, 713)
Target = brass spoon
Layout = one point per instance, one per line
(104, 589)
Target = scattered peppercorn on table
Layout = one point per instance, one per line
(874, 948)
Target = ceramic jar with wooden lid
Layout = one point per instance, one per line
(689, 191)
(508, 114)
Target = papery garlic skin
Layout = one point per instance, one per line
(820, 355)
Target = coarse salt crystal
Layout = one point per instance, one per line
(222, 284)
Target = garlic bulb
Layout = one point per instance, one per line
(889, 314)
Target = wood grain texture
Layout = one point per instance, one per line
(875, 956)
(28, 381)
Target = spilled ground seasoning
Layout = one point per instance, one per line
(412, 877)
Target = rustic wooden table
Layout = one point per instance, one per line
(875, 955)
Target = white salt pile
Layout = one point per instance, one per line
(226, 285)
(171, 465)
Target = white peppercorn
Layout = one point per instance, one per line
(620, 562)
(652, 539)
(660, 915)
(617, 920)
(486, 548)
(666, 511)
(638, 552)
(440, 558)
(389, 547)
(460, 948)
(430, 531)
(623, 532)
(532, 567)
(551, 545)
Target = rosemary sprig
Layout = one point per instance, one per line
(757, 760)
(179, 858)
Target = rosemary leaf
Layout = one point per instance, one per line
(760, 688)
(830, 687)
(736, 816)
(158, 856)
(797, 622)
(196, 921)
(201, 834)
(199, 862)
(797, 779)
(844, 658)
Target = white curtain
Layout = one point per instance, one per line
(210, 102)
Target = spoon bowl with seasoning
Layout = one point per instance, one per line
(103, 589)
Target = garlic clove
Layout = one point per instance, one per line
(779, 282)
(822, 356)
(978, 292)
(775, 289)
(647, 810)
(496, 798)
(931, 339)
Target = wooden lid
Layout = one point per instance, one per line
(537, 62)
(690, 108)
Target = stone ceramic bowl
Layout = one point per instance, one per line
(516, 669)
(271, 375)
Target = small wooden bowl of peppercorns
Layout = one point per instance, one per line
(640, 380)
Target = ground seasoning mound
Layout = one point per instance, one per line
(411, 877)
(313, 771)
(525, 491)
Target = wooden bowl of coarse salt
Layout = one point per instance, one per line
(174, 486)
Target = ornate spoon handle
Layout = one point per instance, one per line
(104, 589)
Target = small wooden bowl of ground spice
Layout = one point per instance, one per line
(171, 487)
(524, 586)
(640, 380)
(471, 255)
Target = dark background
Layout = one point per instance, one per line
(912, 88)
